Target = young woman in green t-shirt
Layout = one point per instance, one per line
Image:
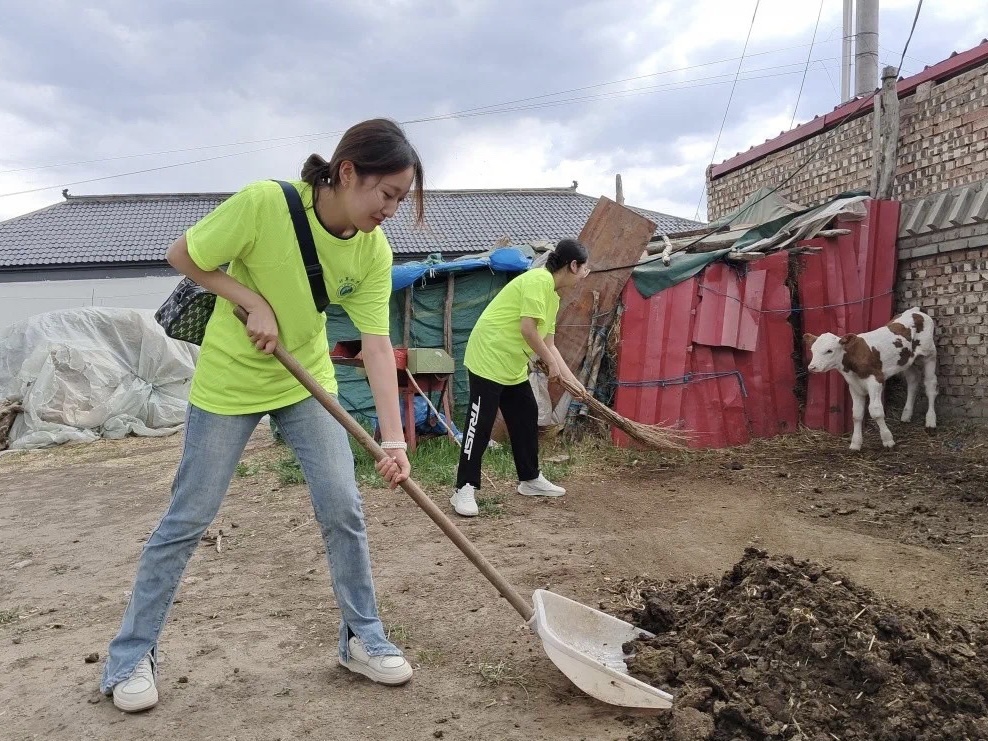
(237, 381)
(519, 321)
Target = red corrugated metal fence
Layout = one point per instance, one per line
(715, 355)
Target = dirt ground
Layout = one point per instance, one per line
(249, 651)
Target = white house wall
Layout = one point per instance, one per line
(19, 300)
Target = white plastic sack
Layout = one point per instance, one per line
(548, 416)
(82, 374)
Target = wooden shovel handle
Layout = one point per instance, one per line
(411, 488)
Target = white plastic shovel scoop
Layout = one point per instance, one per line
(585, 644)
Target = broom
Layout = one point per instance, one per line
(652, 436)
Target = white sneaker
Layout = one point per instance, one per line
(463, 501)
(384, 669)
(540, 487)
(138, 691)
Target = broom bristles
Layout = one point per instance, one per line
(653, 436)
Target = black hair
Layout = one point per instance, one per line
(565, 252)
(375, 147)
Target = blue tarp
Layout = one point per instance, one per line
(502, 259)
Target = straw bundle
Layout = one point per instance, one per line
(652, 436)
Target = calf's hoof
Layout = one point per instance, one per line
(888, 444)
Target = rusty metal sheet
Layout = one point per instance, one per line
(616, 238)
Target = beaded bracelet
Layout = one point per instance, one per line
(392, 445)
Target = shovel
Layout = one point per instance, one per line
(583, 643)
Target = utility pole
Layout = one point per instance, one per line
(845, 60)
(885, 136)
(866, 47)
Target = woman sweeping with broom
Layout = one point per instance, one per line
(519, 321)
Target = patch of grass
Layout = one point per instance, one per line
(501, 672)
(434, 464)
(288, 470)
(398, 634)
(429, 656)
(491, 505)
(246, 470)
(435, 460)
(9, 616)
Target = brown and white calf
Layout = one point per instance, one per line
(867, 360)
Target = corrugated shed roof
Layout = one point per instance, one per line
(960, 206)
(115, 229)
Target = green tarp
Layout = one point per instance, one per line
(472, 292)
(654, 276)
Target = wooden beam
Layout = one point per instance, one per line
(885, 137)
(616, 238)
(407, 334)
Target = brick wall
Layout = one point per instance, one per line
(952, 289)
(943, 143)
(943, 269)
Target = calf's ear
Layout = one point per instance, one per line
(809, 339)
(848, 338)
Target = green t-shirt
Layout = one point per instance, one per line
(253, 232)
(497, 350)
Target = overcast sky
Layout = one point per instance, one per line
(99, 89)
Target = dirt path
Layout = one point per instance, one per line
(249, 651)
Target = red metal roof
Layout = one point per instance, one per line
(954, 65)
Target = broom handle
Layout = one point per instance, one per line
(411, 488)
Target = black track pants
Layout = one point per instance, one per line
(521, 415)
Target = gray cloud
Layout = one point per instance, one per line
(117, 78)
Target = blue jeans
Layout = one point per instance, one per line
(212, 448)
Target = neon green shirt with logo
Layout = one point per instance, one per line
(496, 349)
(252, 232)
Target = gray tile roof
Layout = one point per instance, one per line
(129, 229)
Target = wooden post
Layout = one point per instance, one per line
(447, 397)
(448, 316)
(618, 190)
(885, 137)
(407, 337)
(616, 237)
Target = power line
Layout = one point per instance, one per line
(806, 69)
(919, 7)
(333, 133)
(908, 56)
(809, 158)
(468, 113)
(730, 97)
(829, 77)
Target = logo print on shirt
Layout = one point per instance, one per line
(347, 286)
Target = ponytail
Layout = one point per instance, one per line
(375, 147)
(565, 252)
(316, 171)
